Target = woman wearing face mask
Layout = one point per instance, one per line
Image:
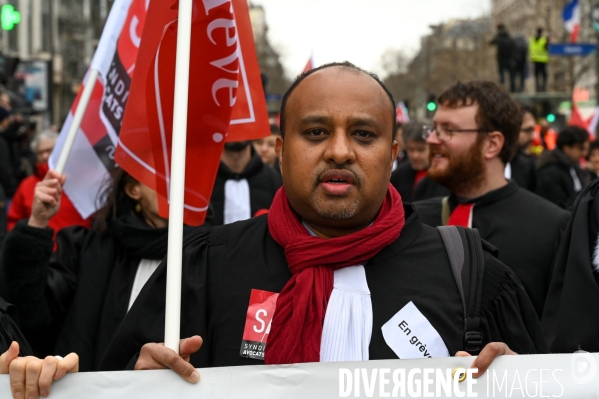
(73, 299)
(22, 202)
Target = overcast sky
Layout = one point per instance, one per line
(359, 31)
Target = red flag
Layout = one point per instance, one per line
(226, 100)
(576, 118)
(310, 64)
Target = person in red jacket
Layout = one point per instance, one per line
(20, 207)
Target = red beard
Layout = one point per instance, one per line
(463, 172)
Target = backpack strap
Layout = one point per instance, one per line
(445, 211)
(466, 257)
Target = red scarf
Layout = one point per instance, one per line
(297, 324)
(41, 169)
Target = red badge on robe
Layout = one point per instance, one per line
(257, 323)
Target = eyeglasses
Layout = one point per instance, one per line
(44, 152)
(446, 134)
(528, 130)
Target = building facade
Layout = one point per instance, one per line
(455, 50)
(63, 32)
(523, 17)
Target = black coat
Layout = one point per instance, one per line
(403, 181)
(505, 46)
(554, 179)
(571, 316)
(9, 330)
(524, 171)
(264, 181)
(524, 227)
(8, 174)
(222, 265)
(74, 299)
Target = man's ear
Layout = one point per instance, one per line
(279, 151)
(494, 144)
(133, 191)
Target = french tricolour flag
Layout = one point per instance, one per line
(571, 15)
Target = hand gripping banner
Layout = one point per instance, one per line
(565, 376)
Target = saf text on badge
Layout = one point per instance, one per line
(412, 336)
(257, 323)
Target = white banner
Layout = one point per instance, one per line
(523, 376)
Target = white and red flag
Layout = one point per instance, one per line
(92, 155)
(310, 64)
(571, 17)
(226, 99)
(401, 113)
(589, 124)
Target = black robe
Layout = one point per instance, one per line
(222, 265)
(554, 181)
(571, 316)
(403, 181)
(9, 330)
(524, 227)
(74, 299)
(524, 171)
(263, 180)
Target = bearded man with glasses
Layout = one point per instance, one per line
(522, 167)
(473, 138)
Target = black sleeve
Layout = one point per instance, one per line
(571, 313)
(9, 330)
(8, 179)
(507, 314)
(144, 322)
(429, 211)
(551, 187)
(38, 282)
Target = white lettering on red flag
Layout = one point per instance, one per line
(93, 152)
(226, 100)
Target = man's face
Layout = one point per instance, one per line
(265, 147)
(338, 150)
(457, 163)
(237, 146)
(594, 160)
(5, 101)
(399, 139)
(418, 154)
(44, 149)
(577, 151)
(527, 131)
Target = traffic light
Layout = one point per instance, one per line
(431, 104)
(9, 17)
(550, 118)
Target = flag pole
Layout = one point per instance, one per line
(88, 89)
(172, 320)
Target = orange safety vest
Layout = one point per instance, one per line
(537, 142)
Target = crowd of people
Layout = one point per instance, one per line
(513, 55)
(338, 226)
